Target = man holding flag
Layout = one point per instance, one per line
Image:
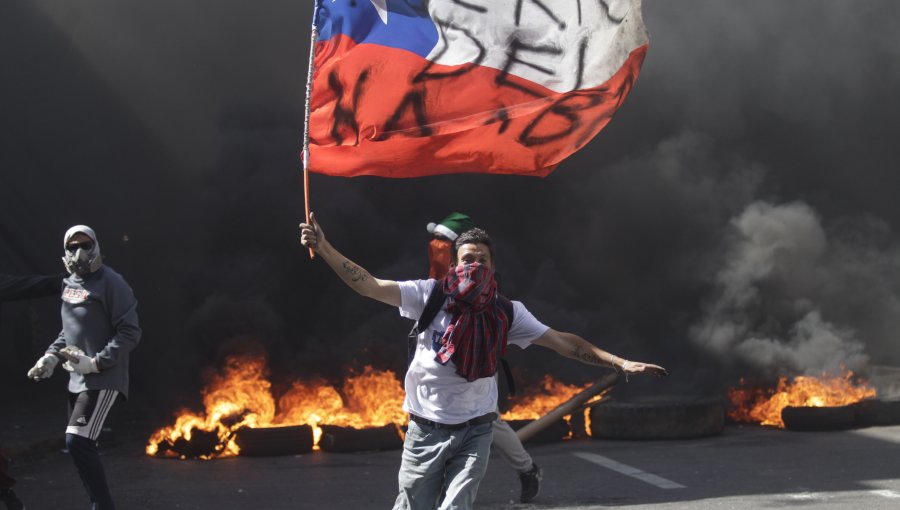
(409, 88)
(451, 391)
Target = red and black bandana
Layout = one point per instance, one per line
(476, 336)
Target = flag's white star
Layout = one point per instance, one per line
(381, 7)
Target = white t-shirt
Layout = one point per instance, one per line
(435, 391)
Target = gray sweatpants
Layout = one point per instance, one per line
(509, 447)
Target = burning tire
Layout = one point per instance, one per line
(348, 439)
(269, 441)
(667, 417)
(819, 418)
(202, 444)
(873, 413)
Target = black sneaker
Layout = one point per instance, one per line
(531, 483)
(12, 501)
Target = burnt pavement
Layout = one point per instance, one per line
(747, 467)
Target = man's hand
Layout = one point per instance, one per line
(636, 367)
(311, 235)
(44, 367)
(78, 361)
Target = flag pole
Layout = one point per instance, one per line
(309, 79)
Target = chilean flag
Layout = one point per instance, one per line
(409, 88)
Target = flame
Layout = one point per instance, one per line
(763, 406)
(241, 396)
(371, 399)
(587, 419)
(542, 399)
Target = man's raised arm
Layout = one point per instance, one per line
(357, 278)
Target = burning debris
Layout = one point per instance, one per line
(240, 397)
(545, 398)
(242, 415)
(286, 440)
(765, 406)
(348, 439)
(563, 411)
(786, 300)
(541, 398)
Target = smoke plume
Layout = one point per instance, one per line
(787, 295)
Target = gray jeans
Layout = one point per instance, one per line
(442, 468)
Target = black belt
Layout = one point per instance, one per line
(489, 417)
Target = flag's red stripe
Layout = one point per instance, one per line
(463, 132)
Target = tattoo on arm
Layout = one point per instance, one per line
(585, 356)
(354, 272)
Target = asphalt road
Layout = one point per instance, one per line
(745, 468)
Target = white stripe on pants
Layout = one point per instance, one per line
(94, 425)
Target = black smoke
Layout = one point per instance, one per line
(174, 130)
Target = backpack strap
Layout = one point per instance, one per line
(432, 307)
(508, 308)
(510, 382)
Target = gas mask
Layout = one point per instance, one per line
(84, 259)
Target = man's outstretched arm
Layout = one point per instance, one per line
(575, 347)
(357, 278)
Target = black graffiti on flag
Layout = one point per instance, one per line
(572, 109)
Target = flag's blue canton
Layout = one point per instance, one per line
(408, 25)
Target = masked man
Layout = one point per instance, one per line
(99, 330)
(451, 391)
(506, 442)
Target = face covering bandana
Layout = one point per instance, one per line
(85, 259)
(476, 337)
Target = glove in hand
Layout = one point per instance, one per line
(44, 367)
(78, 361)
